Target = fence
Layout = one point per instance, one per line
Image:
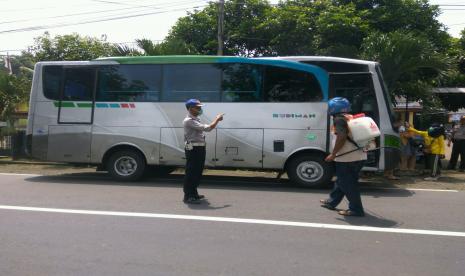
(5, 145)
(13, 145)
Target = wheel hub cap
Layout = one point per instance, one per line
(125, 165)
(310, 171)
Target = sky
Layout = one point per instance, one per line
(23, 20)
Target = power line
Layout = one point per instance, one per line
(172, 4)
(35, 28)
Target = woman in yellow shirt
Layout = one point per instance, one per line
(434, 147)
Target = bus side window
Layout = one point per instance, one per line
(129, 83)
(241, 82)
(288, 85)
(185, 81)
(79, 84)
(51, 81)
(359, 90)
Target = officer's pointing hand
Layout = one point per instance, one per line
(219, 117)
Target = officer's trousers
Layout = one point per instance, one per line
(195, 162)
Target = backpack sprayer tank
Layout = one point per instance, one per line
(363, 129)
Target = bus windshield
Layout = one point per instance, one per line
(387, 97)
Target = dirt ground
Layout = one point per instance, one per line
(450, 180)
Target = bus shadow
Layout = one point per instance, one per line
(208, 182)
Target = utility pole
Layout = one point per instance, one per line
(220, 26)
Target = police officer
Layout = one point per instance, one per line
(194, 137)
(349, 160)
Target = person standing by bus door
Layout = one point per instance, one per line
(458, 147)
(194, 136)
(349, 160)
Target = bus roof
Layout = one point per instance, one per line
(325, 58)
(219, 59)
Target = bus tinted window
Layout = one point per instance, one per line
(78, 84)
(359, 90)
(185, 81)
(288, 85)
(51, 82)
(241, 83)
(129, 83)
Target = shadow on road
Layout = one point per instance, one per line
(369, 219)
(208, 182)
(205, 205)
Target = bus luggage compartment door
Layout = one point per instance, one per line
(242, 148)
(69, 143)
(172, 147)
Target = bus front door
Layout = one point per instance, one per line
(358, 88)
(70, 139)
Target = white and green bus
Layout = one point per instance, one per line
(124, 114)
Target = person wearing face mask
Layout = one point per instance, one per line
(194, 137)
(458, 149)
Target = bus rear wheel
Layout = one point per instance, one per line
(310, 171)
(126, 165)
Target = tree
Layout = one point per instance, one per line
(168, 47)
(410, 63)
(13, 91)
(242, 36)
(414, 16)
(69, 47)
(340, 30)
(304, 27)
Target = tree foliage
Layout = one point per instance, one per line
(69, 47)
(410, 64)
(13, 91)
(304, 27)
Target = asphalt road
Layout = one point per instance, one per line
(248, 226)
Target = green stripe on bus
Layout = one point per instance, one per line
(64, 104)
(84, 105)
(391, 141)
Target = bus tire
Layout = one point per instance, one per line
(310, 171)
(126, 165)
(159, 171)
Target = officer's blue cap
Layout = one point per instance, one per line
(193, 102)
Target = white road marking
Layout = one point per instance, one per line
(238, 220)
(252, 182)
(410, 189)
(21, 174)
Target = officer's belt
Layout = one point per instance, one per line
(199, 144)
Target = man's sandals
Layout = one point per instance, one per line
(347, 213)
(325, 204)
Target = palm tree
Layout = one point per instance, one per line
(409, 63)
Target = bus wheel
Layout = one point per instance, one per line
(310, 171)
(126, 165)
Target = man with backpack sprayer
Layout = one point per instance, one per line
(349, 158)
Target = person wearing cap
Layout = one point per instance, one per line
(349, 159)
(194, 137)
(458, 148)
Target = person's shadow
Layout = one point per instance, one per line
(369, 219)
(205, 205)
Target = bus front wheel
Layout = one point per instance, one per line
(310, 171)
(126, 165)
